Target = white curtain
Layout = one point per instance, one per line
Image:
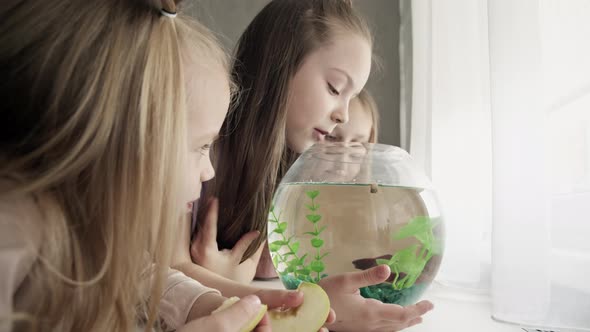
(500, 119)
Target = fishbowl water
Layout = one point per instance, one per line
(346, 207)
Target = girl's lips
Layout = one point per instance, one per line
(323, 132)
(319, 135)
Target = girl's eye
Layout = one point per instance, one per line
(205, 149)
(331, 138)
(333, 90)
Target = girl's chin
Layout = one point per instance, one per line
(304, 146)
(300, 144)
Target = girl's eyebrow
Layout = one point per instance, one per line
(342, 71)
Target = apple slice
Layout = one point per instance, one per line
(310, 316)
(251, 324)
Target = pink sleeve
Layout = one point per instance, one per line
(180, 293)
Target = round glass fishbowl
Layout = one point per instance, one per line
(346, 207)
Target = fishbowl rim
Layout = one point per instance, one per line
(363, 183)
(313, 151)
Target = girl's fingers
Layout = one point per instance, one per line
(208, 234)
(350, 282)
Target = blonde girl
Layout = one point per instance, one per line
(97, 165)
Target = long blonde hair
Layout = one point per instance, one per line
(369, 105)
(93, 127)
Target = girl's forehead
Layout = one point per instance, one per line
(350, 53)
(208, 94)
(199, 71)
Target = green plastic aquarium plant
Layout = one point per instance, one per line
(412, 260)
(295, 264)
(316, 265)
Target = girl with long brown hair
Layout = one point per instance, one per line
(108, 109)
(298, 64)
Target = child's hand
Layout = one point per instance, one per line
(280, 298)
(205, 252)
(232, 319)
(356, 313)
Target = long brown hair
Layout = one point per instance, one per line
(251, 154)
(93, 126)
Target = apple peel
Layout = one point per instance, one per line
(251, 324)
(310, 316)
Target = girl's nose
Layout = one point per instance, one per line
(340, 115)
